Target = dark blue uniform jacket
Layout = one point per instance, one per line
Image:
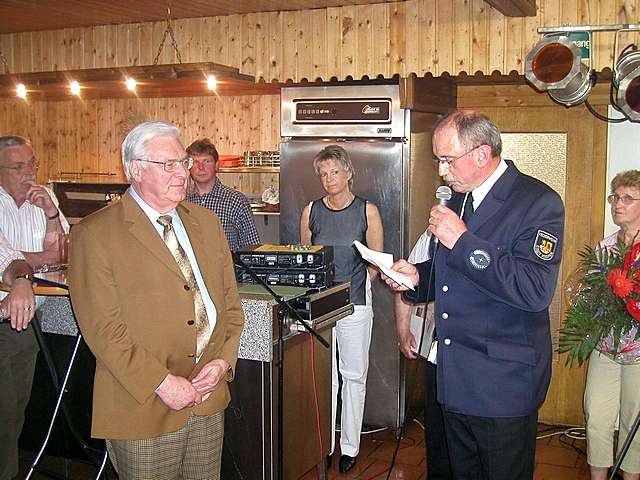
(492, 293)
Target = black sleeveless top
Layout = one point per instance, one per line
(339, 228)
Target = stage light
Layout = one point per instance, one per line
(131, 84)
(212, 83)
(554, 65)
(627, 81)
(21, 91)
(74, 88)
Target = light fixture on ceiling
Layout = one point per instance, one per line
(212, 83)
(21, 91)
(131, 84)
(74, 88)
(555, 65)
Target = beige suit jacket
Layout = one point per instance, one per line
(133, 308)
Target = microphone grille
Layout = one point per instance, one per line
(443, 193)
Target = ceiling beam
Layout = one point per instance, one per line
(514, 8)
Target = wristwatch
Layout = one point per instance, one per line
(27, 276)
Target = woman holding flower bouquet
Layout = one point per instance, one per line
(613, 378)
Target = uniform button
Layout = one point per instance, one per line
(445, 315)
(190, 322)
(445, 288)
(447, 341)
(187, 288)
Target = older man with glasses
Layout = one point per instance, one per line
(154, 292)
(493, 276)
(31, 227)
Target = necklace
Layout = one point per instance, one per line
(333, 206)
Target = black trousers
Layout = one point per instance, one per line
(483, 448)
(438, 464)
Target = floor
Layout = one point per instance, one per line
(558, 457)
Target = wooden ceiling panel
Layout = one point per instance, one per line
(30, 15)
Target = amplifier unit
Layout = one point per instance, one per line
(294, 277)
(306, 257)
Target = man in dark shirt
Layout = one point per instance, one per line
(231, 206)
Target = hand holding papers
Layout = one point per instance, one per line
(383, 261)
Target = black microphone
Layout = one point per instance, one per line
(443, 195)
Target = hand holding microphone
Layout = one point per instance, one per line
(444, 224)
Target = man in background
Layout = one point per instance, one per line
(495, 276)
(32, 230)
(155, 296)
(231, 206)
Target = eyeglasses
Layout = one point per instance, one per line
(449, 160)
(22, 166)
(171, 165)
(623, 199)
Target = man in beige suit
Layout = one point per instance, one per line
(154, 293)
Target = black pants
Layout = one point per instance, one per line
(483, 448)
(438, 464)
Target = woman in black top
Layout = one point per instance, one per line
(337, 219)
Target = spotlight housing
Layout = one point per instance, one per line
(626, 80)
(554, 65)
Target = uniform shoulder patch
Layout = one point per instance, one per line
(544, 245)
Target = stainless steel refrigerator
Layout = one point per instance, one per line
(390, 147)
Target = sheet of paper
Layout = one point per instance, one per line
(383, 261)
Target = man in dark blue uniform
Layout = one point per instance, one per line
(494, 275)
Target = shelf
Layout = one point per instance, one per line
(249, 170)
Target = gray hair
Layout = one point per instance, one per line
(12, 141)
(135, 143)
(474, 129)
(337, 153)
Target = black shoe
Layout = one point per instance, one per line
(346, 463)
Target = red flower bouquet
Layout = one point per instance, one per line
(604, 306)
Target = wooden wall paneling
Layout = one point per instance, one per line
(445, 30)
(318, 43)
(334, 41)
(7, 50)
(364, 40)
(277, 46)
(234, 41)
(496, 41)
(22, 45)
(380, 41)
(463, 31)
(397, 19)
(289, 40)
(262, 47)
(605, 15)
(249, 52)
(304, 42)
(514, 40)
(410, 28)
(88, 47)
(479, 21)
(349, 38)
(428, 37)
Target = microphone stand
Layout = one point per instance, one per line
(285, 308)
